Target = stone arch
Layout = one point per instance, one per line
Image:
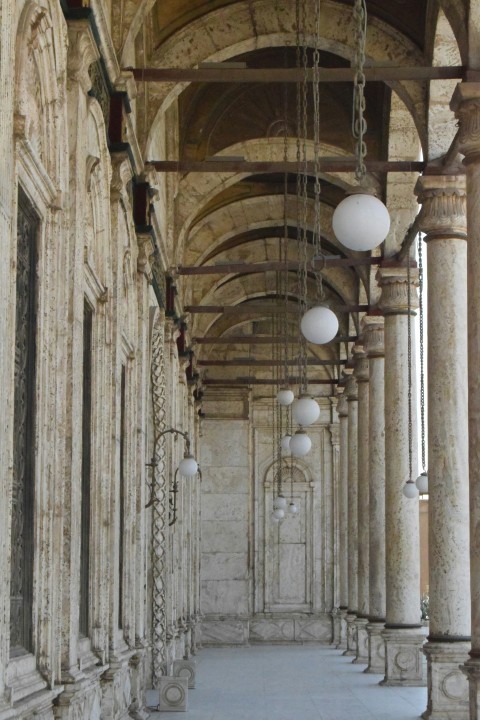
(224, 37)
(442, 124)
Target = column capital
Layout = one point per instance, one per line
(465, 104)
(362, 369)
(444, 206)
(373, 333)
(342, 405)
(351, 389)
(394, 283)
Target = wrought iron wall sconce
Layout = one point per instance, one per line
(188, 467)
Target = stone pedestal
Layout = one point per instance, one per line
(173, 694)
(404, 663)
(351, 650)
(342, 643)
(376, 648)
(447, 685)
(336, 622)
(361, 641)
(186, 669)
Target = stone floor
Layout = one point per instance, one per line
(291, 683)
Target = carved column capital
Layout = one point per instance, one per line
(394, 283)
(145, 251)
(351, 389)
(361, 371)
(444, 205)
(121, 176)
(373, 333)
(342, 405)
(466, 106)
(82, 52)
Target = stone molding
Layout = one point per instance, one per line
(394, 284)
(342, 406)
(82, 52)
(444, 205)
(361, 372)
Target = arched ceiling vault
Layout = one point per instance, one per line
(212, 218)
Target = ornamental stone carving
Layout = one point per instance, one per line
(444, 205)
(173, 694)
(466, 106)
(351, 389)
(82, 52)
(373, 333)
(362, 370)
(342, 406)
(396, 287)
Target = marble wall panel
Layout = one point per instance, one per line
(225, 479)
(224, 596)
(224, 566)
(272, 630)
(224, 632)
(223, 506)
(224, 536)
(292, 576)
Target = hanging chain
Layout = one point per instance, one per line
(409, 363)
(284, 257)
(359, 123)
(304, 190)
(317, 236)
(422, 349)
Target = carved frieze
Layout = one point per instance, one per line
(373, 332)
(397, 284)
(444, 205)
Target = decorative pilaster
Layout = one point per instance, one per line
(342, 410)
(445, 224)
(352, 397)
(373, 342)
(361, 373)
(403, 636)
(160, 506)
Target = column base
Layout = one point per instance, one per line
(404, 664)
(447, 686)
(342, 644)
(351, 650)
(336, 627)
(361, 637)
(472, 670)
(376, 648)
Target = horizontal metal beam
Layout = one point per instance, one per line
(263, 309)
(261, 381)
(340, 165)
(219, 74)
(273, 265)
(255, 362)
(259, 340)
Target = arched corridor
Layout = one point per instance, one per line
(239, 332)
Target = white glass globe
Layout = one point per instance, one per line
(305, 411)
(275, 519)
(300, 444)
(319, 325)
(279, 514)
(285, 397)
(410, 490)
(292, 508)
(188, 466)
(280, 503)
(361, 222)
(422, 483)
(285, 442)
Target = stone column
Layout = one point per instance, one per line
(466, 103)
(444, 222)
(402, 634)
(352, 397)
(342, 409)
(373, 342)
(362, 376)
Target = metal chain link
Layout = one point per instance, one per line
(422, 349)
(409, 363)
(359, 123)
(316, 144)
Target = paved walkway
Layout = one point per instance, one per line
(290, 682)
